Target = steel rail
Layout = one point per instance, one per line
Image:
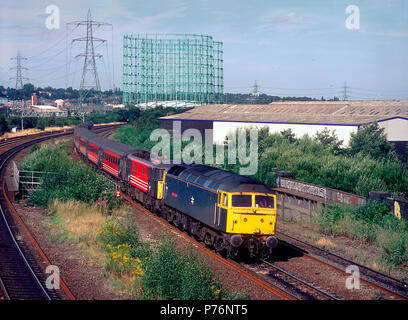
(398, 284)
(6, 156)
(10, 233)
(283, 294)
(4, 290)
(303, 282)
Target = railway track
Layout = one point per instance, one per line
(388, 284)
(298, 287)
(20, 275)
(277, 291)
(278, 281)
(13, 140)
(3, 292)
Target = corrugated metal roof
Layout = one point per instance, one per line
(311, 112)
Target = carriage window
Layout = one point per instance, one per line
(241, 200)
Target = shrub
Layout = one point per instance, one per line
(126, 252)
(370, 223)
(395, 249)
(115, 232)
(67, 180)
(174, 274)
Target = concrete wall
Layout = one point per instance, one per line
(326, 194)
(222, 128)
(395, 129)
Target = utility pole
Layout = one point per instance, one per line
(90, 79)
(19, 78)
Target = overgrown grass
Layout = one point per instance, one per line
(162, 272)
(140, 270)
(174, 274)
(99, 235)
(372, 224)
(77, 221)
(112, 238)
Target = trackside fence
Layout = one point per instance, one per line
(28, 180)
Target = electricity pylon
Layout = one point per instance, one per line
(90, 79)
(19, 78)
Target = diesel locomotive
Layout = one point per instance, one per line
(233, 214)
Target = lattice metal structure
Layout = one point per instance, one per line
(182, 68)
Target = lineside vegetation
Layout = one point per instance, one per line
(82, 209)
(368, 164)
(370, 224)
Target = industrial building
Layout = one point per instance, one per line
(302, 117)
(177, 69)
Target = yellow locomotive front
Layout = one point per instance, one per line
(251, 218)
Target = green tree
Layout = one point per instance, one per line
(134, 113)
(3, 125)
(329, 140)
(371, 140)
(28, 90)
(41, 124)
(288, 135)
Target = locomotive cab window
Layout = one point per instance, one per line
(240, 200)
(264, 202)
(224, 200)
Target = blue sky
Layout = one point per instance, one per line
(290, 47)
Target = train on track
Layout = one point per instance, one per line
(235, 215)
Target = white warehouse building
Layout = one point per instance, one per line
(302, 117)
